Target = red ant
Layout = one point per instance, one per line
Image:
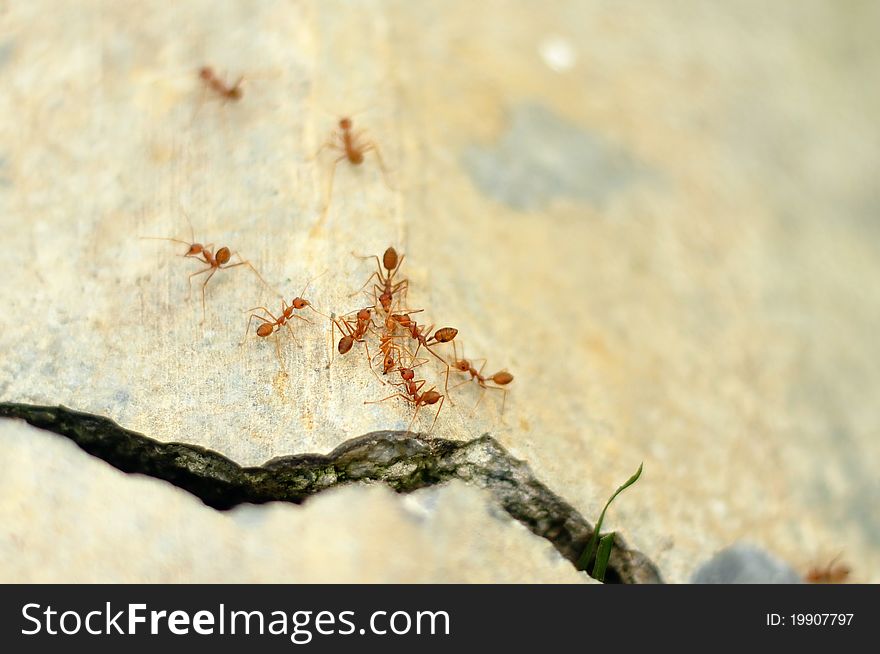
(353, 148)
(387, 348)
(417, 333)
(215, 262)
(830, 574)
(413, 396)
(213, 82)
(386, 286)
(269, 327)
(352, 333)
(501, 378)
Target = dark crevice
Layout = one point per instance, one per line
(403, 460)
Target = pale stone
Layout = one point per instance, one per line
(707, 301)
(68, 517)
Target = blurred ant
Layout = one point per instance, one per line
(500, 378)
(830, 574)
(352, 147)
(232, 93)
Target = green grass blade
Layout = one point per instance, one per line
(590, 550)
(602, 556)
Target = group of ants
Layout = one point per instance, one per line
(400, 337)
(396, 329)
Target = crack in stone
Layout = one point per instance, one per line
(405, 461)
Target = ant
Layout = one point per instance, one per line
(417, 333)
(269, 327)
(830, 574)
(215, 261)
(386, 286)
(387, 348)
(213, 82)
(351, 334)
(353, 148)
(413, 396)
(501, 378)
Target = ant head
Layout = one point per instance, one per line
(345, 344)
(195, 249)
(431, 397)
(345, 123)
(502, 378)
(223, 255)
(206, 73)
(264, 330)
(463, 364)
(299, 303)
(408, 374)
(389, 259)
(385, 301)
(364, 314)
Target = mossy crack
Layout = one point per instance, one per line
(405, 461)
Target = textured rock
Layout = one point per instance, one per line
(69, 517)
(707, 300)
(742, 563)
(402, 460)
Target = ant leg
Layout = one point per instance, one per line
(204, 301)
(329, 143)
(281, 364)
(412, 421)
(397, 267)
(371, 145)
(245, 262)
(369, 359)
(323, 217)
(375, 274)
(398, 394)
(332, 339)
(461, 383)
(443, 361)
(493, 388)
(292, 334)
(258, 317)
(437, 415)
(401, 285)
(198, 272)
(480, 371)
(369, 256)
(201, 102)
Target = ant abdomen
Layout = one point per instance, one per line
(389, 259)
(345, 344)
(223, 256)
(445, 335)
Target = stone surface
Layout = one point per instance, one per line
(707, 300)
(403, 461)
(742, 563)
(107, 526)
